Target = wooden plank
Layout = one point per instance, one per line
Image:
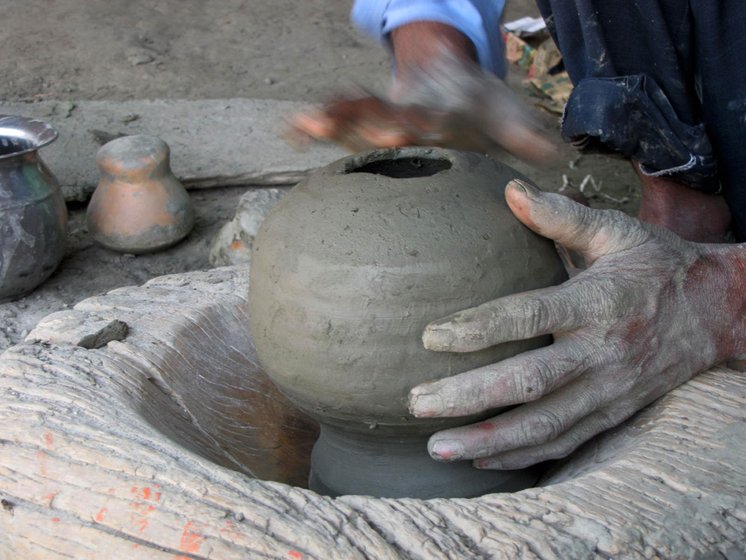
(116, 452)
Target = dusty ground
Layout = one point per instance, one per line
(144, 49)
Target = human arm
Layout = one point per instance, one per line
(477, 21)
(650, 312)
(444, 93)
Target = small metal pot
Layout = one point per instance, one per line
(33, 216)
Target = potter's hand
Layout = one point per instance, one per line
(440, 97)
(649, 313)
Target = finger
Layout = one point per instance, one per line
(340, 113)
(317, 124)
(523, 378)
(527, 144)
(553, 310)
(382, 137)
(584, 430)
(590, 231)
(528, 425)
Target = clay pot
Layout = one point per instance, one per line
(138, 206)
(33, 216)
(347, 271)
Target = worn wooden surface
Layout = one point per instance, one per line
(145, 448)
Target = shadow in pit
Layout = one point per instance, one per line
(211, 396)
(208, 394)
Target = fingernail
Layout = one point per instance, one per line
(447, 450)
(426, 405)
(528, 189)
(437, 338)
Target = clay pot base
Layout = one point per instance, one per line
(124, 449)
(344, 464)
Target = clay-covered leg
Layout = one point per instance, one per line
(661, 84)
(691, 214)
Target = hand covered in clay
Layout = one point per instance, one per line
(650, 312)
(440, 97)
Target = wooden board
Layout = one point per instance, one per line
(144, 448)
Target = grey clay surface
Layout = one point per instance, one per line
(350, 267)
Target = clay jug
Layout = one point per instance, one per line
(33, 216)
(139, 206)
(349, 268)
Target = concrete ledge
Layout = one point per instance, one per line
(217, 142)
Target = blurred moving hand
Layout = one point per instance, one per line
(440, 97)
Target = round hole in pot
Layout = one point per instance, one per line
(403, 168)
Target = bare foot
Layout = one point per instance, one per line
(691, 214)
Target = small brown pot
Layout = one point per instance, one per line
(139, 206)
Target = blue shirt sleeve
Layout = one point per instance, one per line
(479, 20)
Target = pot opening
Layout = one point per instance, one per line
(404, 168)
(14, 144)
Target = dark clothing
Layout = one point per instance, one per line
(662, 82)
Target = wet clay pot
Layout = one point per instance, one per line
(33, 216)
(347, 271)
(139, 206)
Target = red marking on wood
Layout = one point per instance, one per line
(140, 513)
(295, 555)
(145, 493)
(50, 498)
(100, 515)
(48, 439)
(55, 520)
(139, 517)
(42, 457)
(141, 524)
(229, 531)
(190, 541)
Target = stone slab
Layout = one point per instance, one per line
(232, 245)
(217, 142)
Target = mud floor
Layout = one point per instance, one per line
(200, 49)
